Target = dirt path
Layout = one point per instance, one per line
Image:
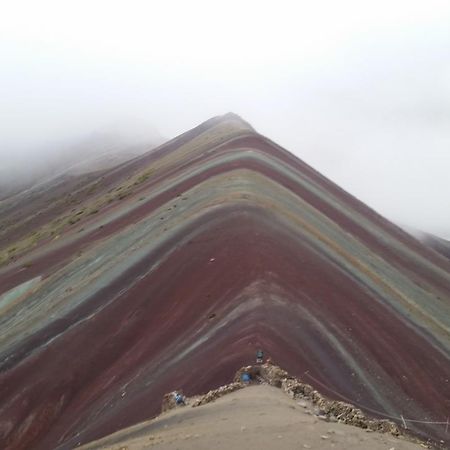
(255, 418)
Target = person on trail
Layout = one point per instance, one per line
(259, 357)
(179, 399)
(245, 378)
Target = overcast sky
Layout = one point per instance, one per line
(358, 89)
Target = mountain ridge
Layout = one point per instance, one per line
(199, 251)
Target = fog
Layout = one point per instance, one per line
(359, 90)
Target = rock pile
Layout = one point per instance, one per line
(331, 410)
(273, 375)
(334, 410)
(216, 393)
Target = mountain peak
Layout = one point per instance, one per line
(230, 118)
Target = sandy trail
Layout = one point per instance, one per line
(258, 417)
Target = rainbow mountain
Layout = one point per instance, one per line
(171, 269)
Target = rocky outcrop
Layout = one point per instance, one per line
(332, 410)
(323, 407)
(216, 393)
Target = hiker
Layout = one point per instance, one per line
(179, 399)
(259, 357)
(245, 378)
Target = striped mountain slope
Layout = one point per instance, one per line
(169, 270)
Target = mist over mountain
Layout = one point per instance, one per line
(359, 90)
(99, 150)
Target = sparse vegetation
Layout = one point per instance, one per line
(57, 225)
(145, 176)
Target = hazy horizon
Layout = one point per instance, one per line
(359, 91)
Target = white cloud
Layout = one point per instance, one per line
(358, 89)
